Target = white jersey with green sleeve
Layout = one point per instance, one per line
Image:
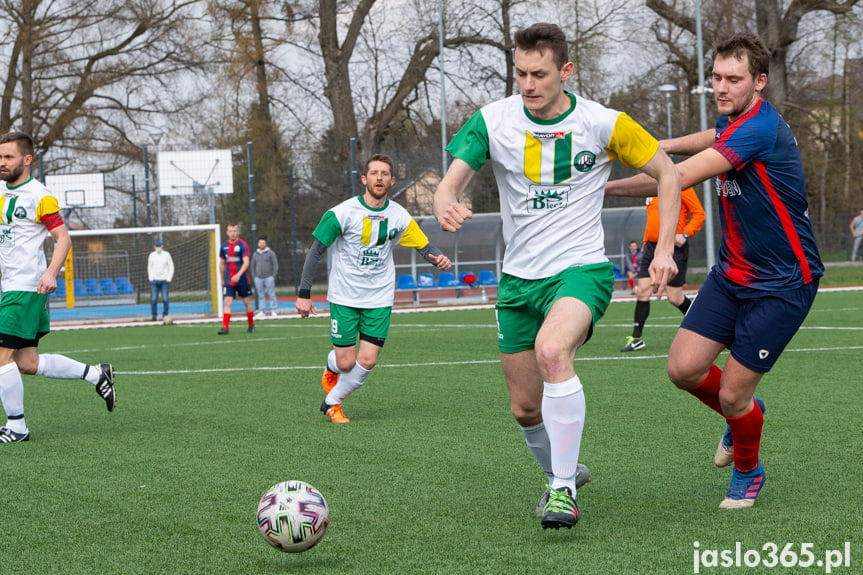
(551, 175)
(360, 241)
(27, 212)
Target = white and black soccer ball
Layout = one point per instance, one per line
(167, 320)
(293, 516)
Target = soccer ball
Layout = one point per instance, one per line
(167, 320)
(293, 516)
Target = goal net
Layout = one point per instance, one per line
(105, 275)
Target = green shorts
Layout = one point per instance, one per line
(23, 318)
(347, 322)
(523, 304)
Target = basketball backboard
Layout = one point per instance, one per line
(194, 172)
(77, 190)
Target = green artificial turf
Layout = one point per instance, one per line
(432, 474)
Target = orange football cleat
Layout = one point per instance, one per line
(329, 380)
(336, 416)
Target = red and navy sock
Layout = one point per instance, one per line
(707, 392)
(746, 433)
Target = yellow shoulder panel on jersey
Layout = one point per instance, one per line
(47, 205)
(414, 237)
(630, 143)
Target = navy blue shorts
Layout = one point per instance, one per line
(680, 256)
(242, 290)
(755, 325)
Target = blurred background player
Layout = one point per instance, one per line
(28, 213)
(691, 220)
(759, 292)
(631, 263)
(265, 267)
(551, 152)
(234, 266)
(361, 233)
(856, 226)
(160, 271)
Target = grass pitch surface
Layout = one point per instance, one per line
(432, 474)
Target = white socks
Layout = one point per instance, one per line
(331, 362)
(58, 366)
(349, 382)
(563, 412)
(539, 444)
(12, 396)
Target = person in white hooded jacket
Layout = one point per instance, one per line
(160, 271)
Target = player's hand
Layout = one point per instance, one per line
(679, 240)
(47, 284)
(234, 279)
(662, 270)
(442, 262)
(454, 217)
(305, 307)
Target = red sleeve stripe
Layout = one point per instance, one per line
(785, 218)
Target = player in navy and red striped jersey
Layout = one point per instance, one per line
(234, 260)
(758, 294)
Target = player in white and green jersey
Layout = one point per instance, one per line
(360, 233)
(551, 153)
(28, 213)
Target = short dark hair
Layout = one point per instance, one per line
(262, 238)
(24, 141)
(544, 35)
(746, 44)
(380, 158)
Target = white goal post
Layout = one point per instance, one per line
(108, 267)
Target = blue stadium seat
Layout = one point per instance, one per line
(406, 281)
(108, 286)
(486, 278)
(462, 275)
(80, 288)
(61, 289)
(93, 287)
(124, 286)
(425, 280)
(617, 274)
(446, 279)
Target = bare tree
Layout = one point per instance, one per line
(92, 73)
(778, 28)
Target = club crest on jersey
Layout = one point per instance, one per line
(369, 258)
(547, 198)
(20, 212)
(584, 161)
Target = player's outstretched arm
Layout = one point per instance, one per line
(304, 297)
(435, 257)
(62, 244)
(662, 170)
(449, 212)
(690, 144)
(704, 164)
